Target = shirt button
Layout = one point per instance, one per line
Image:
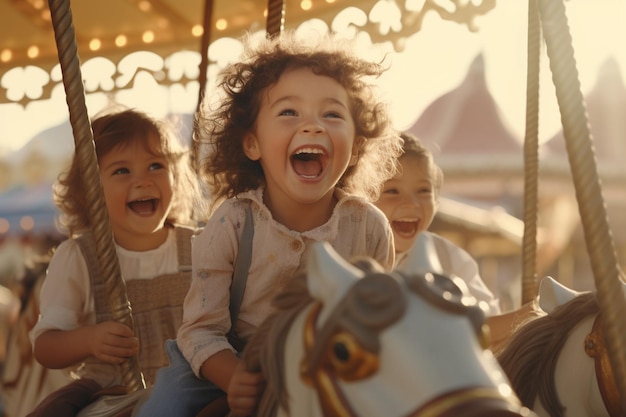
(296, 245)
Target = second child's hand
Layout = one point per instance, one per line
(113, 342)
(244, 391)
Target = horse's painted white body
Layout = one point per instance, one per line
(575, 374)
(428, 352)
(575, 378)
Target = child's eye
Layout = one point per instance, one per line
(333, 114)
(288, 112)
(390, 191)
(121, 171)
(156, 165)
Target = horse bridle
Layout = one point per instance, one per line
(595, 347)
(476, 401)
(371, 305)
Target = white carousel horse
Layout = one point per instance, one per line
(558, 364)
(352, 340)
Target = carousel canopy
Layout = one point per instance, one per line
(118, 28)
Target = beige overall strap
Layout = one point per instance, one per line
(183, 243)
(87, 246)
(242, 265)
(240, 276)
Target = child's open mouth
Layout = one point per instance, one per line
(406, 228)
(309, 162)
(143, 207)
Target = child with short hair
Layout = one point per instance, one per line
(301, 140)
(410, 200)
(150, 192)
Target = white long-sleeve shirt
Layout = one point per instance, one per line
(356, 227)
(456, 261)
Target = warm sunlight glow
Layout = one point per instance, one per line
(33, 52)
(95, 44)
(163, 23)
(148, 36)
(197, 30)
(144, 6)
(6, 55)
(121, 40)
(221, 24)
(306, 4)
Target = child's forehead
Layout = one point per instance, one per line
(304, 81)
(412, 165)
(415, 160)
(150, 142)
(297, 74)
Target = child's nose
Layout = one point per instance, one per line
(141, 180)
(312, 127)
(412, 200)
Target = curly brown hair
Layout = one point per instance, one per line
(412, 146)
(120, 128)
(226, 168)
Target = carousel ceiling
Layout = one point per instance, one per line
(117, 28)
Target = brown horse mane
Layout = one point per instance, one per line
(265, 351)
(529, 359)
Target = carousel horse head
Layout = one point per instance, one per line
(349, 339)
(558, 364)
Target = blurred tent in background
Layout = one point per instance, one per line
(28, 210)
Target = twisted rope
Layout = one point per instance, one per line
(205, 42)
(275, 23)
(582, 160)
(88, 163)
(531, 157)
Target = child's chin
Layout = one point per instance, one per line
(402, 248)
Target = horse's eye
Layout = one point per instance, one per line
(349, 360)
(341, 352)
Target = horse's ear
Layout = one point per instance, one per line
(328, 274)
(553, 294)
(423, 256)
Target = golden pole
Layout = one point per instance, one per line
(531, 158)
(88, 161)
(580, 150)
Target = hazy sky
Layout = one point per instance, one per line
(435, 61)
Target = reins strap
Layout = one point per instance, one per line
(596, 348)
(242, 265)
